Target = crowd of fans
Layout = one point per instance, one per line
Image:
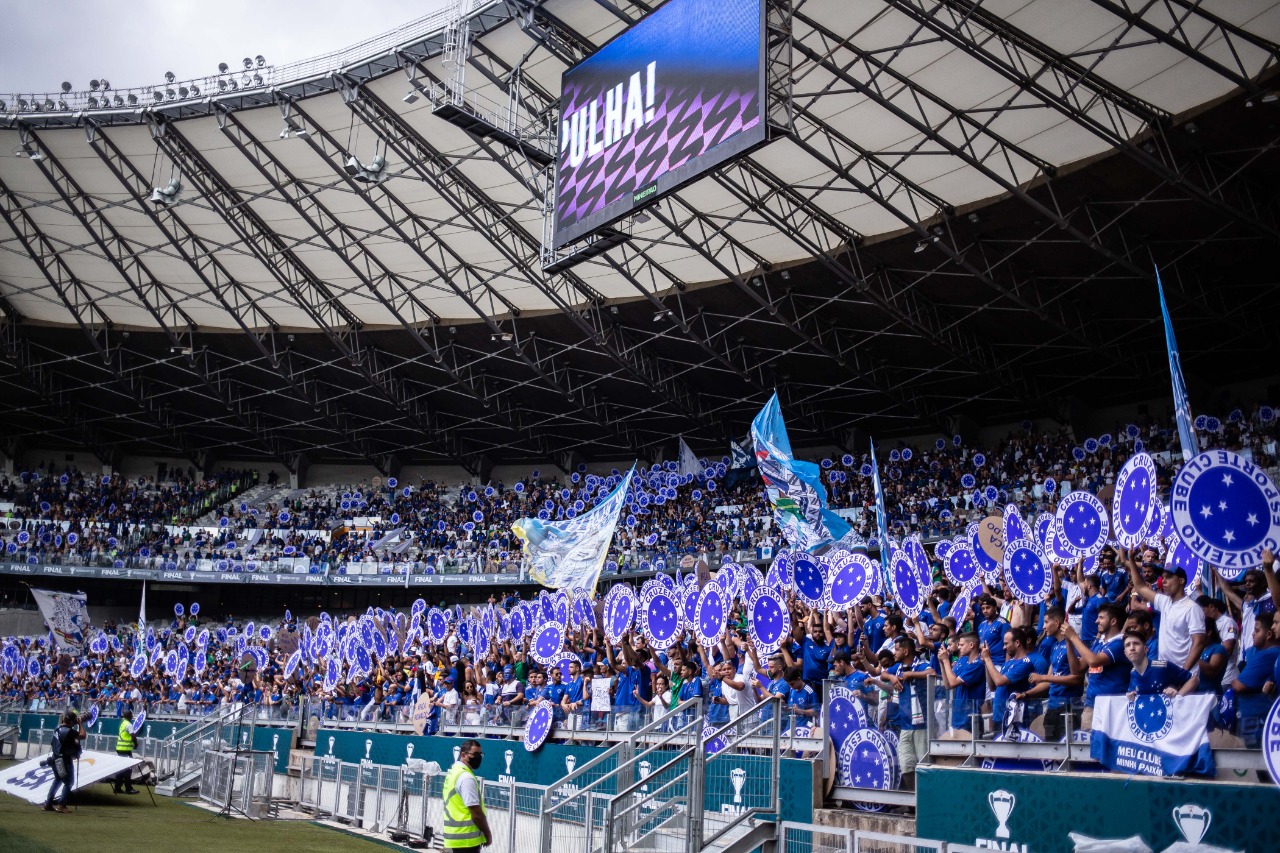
(63, 515)
(1135, 625)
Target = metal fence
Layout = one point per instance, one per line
(406, 800)
(238, 781)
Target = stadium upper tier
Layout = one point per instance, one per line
(236, 523)
(958, 212)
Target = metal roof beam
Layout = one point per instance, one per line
(155, 297)
(335, 320)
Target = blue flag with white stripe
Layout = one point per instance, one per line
(1181, 403)
(795, 488)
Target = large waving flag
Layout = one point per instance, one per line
(569, 554)
(795, 488)
(67, 616)
(689, 464)
(1181, 403)
(882, 518)
(1154, 735)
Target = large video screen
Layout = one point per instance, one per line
(681, 91)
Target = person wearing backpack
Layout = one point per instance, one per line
(66, 749)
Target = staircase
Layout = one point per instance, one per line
(651, 792)
(179, 758)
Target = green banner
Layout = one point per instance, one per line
(1037, 812)
(726, 790)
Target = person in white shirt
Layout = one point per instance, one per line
(1181, 638)
(449, 702)
(1216, 611)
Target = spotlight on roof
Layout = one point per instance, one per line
(503, 336)
(66, 87)
(643, 218)
(259, 60)
(106, 84)
(373, 173)
(223, 68)
(920, 247)
(167, 196)
(133, 99)
(169, 76)
(93, 85)
(248, 63)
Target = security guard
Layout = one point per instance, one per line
(126, 743)
(465, 824)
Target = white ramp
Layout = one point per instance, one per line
(31, 779)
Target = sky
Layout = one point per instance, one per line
(134, 43)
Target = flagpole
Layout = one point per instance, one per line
(1181, 401)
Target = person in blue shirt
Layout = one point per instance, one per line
(992, 629)
(555, 694)
(815, 650)
(1113, 582)
(1090, 590)
(717, 702)
(967, 677)
(873, 625)
(1108, 668)
(908, 677)
(537, 690)
(628, 678)
(573, 702)
(842, 670)
(1260, 663)
(1140, 621)
(1150, 677)
(1011, 677)
(802, 701)
(1213, 660)
(1063, 687)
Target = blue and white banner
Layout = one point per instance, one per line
(570, 554)
(1154, 735)
(66, 614)
(1181, 403)
(739, 456)
(795, 488)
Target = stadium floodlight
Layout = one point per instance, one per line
(373, 173)
(259, 60)
(120, 101)
(93, 85)
(168, 195)
(248, 63)
(106, 84)
(169, 76)
(66, 87)
(223, 68)
(133, 100)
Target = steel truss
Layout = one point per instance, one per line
(339, 325)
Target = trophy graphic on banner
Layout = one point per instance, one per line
(738, 777)
(457, 750)
(368, 748)
(1192, 821)
(408, 752)
(331, 756)
(569, 762)
(275, 742)
(244, 739)
(509, 756)
(1002, 803)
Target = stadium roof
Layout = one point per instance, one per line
(962, 221)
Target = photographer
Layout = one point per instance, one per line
(66, 749)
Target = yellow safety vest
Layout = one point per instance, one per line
(125, 741)
(460, 831)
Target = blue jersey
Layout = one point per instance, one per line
(1113, 584)
(971, 693)
(1112, 677)
(814, 659)
(803, 699)
(628, 681)
(1089, 618)
(992, 636)
(716, 712)
(1259, 667)
(1061, 695)
(912, 705)
(874, 631)
(1213, 685)
(1017, 671)
(1158, 675)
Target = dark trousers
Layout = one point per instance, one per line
(63, 778)
(124, 777)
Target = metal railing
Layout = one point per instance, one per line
(238, 780)
(179, 760)
(406, 801)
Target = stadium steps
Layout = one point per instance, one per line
(8, 742)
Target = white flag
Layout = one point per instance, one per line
(67, 615)
(1154, 735)
(689, 464)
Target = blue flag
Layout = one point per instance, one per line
(882, 518)
(1181, 404)
(795, 488)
